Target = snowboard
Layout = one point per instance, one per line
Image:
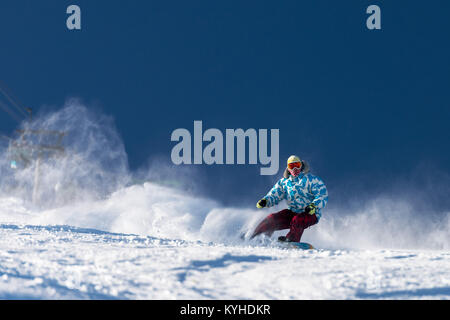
(297, 245)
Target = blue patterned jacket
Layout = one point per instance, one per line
(299, 192)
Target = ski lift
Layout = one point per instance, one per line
(29, 147)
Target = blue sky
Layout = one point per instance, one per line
(368, 109)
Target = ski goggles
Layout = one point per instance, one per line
(295, 165)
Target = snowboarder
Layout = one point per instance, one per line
(305, 195)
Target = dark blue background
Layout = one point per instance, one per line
(368, 109)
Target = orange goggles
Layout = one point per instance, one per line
(294, 165)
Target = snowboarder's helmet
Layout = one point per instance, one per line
(293, 159)
(294, 165)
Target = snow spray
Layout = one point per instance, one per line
(91, 186)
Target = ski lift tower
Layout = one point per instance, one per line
(31, 148)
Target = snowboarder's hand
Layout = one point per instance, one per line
(310, 209)
(261, 203)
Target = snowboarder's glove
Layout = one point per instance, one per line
(261, 203)
(310, 209)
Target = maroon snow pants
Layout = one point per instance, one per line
(286, 219)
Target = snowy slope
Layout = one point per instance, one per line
(126, 247)
(61, 262)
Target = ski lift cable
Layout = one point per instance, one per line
(10, 112)
(13, 101)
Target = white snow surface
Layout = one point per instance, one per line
(152, 242)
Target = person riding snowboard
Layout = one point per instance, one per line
(306, 195)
